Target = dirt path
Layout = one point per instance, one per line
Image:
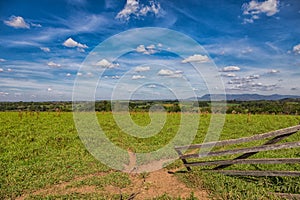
(159, 183)
(151, 185)
(63, 187)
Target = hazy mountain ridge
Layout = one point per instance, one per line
(247, 97)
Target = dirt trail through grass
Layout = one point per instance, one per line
(142, 186)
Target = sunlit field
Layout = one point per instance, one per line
(39, 151)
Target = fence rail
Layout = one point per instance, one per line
(276, 133)
(275, 137)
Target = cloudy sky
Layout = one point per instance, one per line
(253, 46)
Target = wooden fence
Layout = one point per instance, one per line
(273, 136)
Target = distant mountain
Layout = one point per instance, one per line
(246, 97)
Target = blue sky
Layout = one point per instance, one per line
(253, 45)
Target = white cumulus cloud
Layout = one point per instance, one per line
(250, 21)
(1, 70)
(296, 49)
(146, 50)
(115, 77)
(17, 22)
(229, 75)
(141, 49)
(2, 60)
(131, 7)
(269, 7)
(273, 71)
(72, 43)
(141, 69)
(4, 93)
(45, 49)
(134, 9)
(151, 46)
(53, 64)
(255, 8)
(254, 87)
(106, 64)
(196, 58)
(135, 77)
(231, 69)
(170, 73)
(255, 76)
(152, 86)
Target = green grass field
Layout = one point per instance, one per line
(39, 151)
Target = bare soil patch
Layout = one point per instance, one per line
(145, 186)
(158, 183)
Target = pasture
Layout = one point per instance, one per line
(42, 157)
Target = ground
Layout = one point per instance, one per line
(142, 186)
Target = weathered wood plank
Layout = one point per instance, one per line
(183, 160)
(247, 155)
(256, 173)
(287, 196)
(245, 161)
(276, 133)
(244, 150)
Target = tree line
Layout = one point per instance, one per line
(285, 106)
